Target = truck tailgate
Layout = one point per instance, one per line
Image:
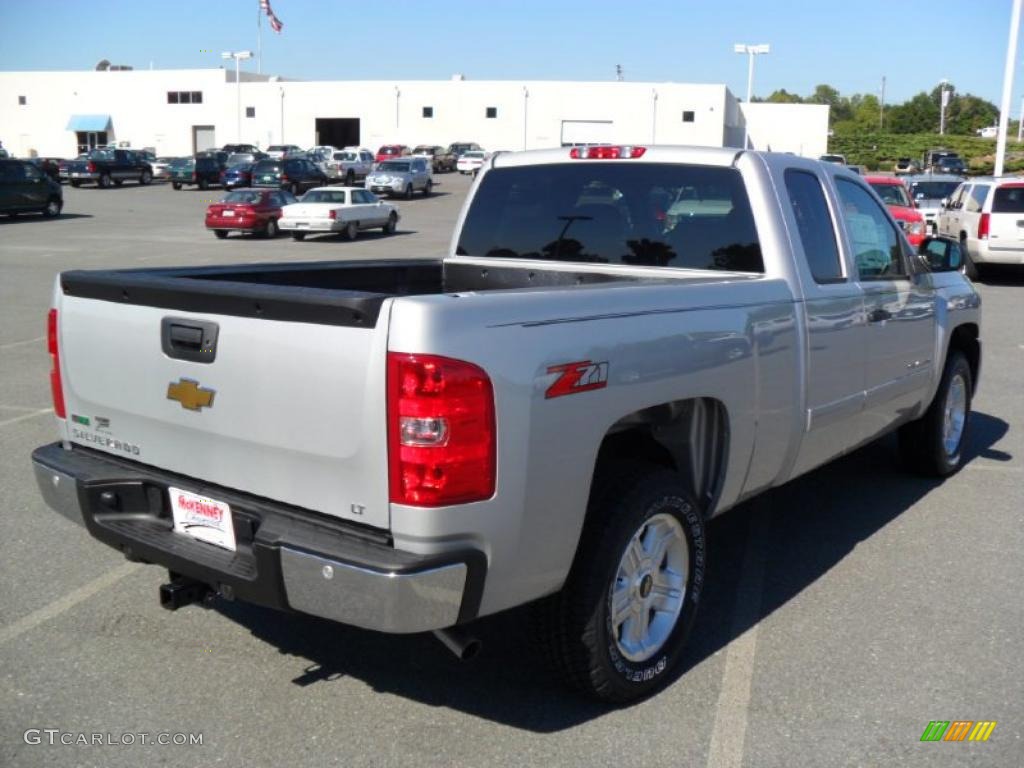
(291, 411)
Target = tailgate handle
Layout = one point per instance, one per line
(187, 339)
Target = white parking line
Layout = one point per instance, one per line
(11, 345)
(26, 416)
(70, 600)
(730, 730)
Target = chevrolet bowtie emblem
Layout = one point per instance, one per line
(191, 396)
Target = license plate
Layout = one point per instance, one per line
(267, 178)
(202, 518)
(229, 213)
(301, 224)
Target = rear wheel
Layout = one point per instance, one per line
(350, 179)
(220, 233)
(52, 209)
(204, 184)
(933, 444)
(271, 229)
(617, 629)
(295, 189)
(105, 181)
(351, 231)
(176, 185)
(145, 178)
(75, 184)
(298, 235)
(428, 188)
(408, 192)
(968, 268)
(391, 225)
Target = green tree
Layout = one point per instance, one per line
(782, 96)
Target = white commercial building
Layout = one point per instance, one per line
(178, 112)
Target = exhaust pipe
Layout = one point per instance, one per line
(181, 591)
(459, 642)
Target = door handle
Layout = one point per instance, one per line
(879, 315)
(186, 339)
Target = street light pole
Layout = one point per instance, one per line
(943, 99)
(238, 56)
(1004, 107)
(751, 51)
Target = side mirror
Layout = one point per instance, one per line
(941, 254)
(944, 203)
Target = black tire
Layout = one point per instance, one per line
(53, 207)
(391, 225)
(298, 235)
(220, 233)
(968, 269)
(295, 189)
(408, 192)
(922, 441)
(271, 229)
(75, 184)
(574, 627)
(351, 231)
(176, 185)
(428, 188)
(204, 184)
(145, 178)
(105, 181)
(350, 179)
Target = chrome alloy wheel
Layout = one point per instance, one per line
(954, 415)
(646, 596)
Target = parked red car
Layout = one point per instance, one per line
(897, 199)
(390, 152)
(255, 211)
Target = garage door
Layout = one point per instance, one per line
(203, 138)
(586, 132)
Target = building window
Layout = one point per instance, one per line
(22, 101)
(492, 112)
(184, 97)
(688, 116)
(250, 111)
(428, 111)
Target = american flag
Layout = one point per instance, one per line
(275, 23)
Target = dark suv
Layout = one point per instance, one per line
(295, 174)
(203, 171)
(25, 188)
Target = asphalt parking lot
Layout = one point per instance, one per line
(844, 611)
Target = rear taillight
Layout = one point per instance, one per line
(91, 168)
(441, 431)
(983, 224)
(284, 179)
(604, 152)
(332, 214)
(56, 386)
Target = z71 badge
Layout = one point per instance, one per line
(577, 377)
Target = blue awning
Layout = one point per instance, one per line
(89, 123)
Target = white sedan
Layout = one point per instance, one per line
(470, 162)
(338, 209)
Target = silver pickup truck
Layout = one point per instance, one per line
(622, 343)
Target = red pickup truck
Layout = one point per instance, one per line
(896, 197)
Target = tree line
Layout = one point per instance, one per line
(862, 112)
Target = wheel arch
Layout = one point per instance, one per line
(690, 437)
(965, 338)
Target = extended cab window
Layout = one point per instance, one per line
(977, 199)
(876, 246)
(644, 214)
(814, 222)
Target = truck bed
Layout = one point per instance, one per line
(348, 293)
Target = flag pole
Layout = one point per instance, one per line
(259, 39)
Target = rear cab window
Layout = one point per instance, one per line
(815, 225)
(643, 214)
(877, 248)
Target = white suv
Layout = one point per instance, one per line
(987, 216)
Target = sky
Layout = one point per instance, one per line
(849, 45)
